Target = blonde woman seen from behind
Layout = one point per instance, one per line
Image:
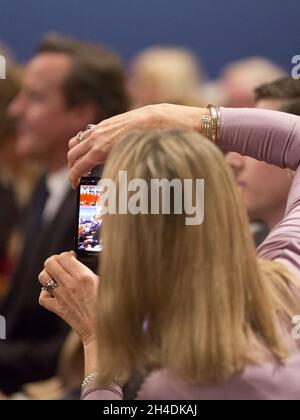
(191, 307)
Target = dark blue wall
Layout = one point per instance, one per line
(219, 31)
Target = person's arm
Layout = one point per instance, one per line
(273, 137)
(91, 390)
(269, 136)
(74, 301)
(93, 151)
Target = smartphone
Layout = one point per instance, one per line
(89, 218)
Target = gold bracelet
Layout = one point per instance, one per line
(206, 126)
(90, 378)
(215, 117)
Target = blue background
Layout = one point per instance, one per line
(218, 31)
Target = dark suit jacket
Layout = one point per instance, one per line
(34, 335)
(8, 216)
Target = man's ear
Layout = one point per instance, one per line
(84, 114)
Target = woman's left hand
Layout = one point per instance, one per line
(98, 141)
(74, 298)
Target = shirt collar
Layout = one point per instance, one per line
(57, 181)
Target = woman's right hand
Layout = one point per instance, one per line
(93, 151)
(74, 298)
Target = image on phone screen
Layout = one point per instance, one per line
(89, 217)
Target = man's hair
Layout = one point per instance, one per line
(292, 107)
(9, 88)
(96, 75)
(286, 88)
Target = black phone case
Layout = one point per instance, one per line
(90, 259)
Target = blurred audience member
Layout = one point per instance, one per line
(9, 209)
(240, 78)
(67, 382)
(265, 187)
(17, 175)
(67, 85)
(283, 94)
(161, 74)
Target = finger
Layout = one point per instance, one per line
(43, 277)
(83, 166)
(78, 150)
(47, 301)
(74, 267)
(73, 142)
(89, 130)
(56, 271)
(70, 264)
(87, 133)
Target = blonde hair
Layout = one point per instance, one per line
(254, 71)
(192, 299)
(171, 75)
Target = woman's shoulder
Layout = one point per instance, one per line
(268, 381)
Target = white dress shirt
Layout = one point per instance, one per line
(58, 185)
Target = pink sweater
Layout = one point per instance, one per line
(274, 138)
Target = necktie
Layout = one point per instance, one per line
(40, 199)
(34, 229)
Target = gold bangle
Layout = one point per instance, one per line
(211, 124)
(215, 117)
(90, 378)
(207, 126)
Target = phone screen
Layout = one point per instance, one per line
(89, 217)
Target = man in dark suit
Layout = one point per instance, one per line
(9, 208)
(67, 85)
(8, 216)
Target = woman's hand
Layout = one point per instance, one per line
(75, 296)
(85, 155)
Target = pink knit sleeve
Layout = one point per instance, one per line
(92, 392)
(273, 137)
